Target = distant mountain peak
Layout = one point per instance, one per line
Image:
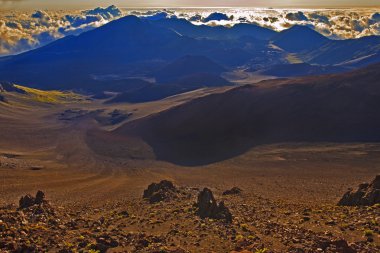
(299, 38)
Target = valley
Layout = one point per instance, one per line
(67, 147)
(152, 133)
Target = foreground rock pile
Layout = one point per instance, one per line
(367, 194)
(177, 225)
(162, 191)
(28, 201)
(209, 208)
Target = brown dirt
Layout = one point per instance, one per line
(288, 203)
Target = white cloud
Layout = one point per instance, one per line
(107, 13)
(24, 31)
(21, 32)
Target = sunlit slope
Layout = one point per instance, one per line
(51, 97)
(24, 97)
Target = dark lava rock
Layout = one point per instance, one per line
(233, 191)
(339, 246)
(366, 195)
(40, 197)
(156, 192)
(208, 207)
(2, 99)
(28, 200)
(107, 241)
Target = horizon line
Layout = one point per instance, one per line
(206, 7)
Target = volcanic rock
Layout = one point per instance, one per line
(156, 192)
(28, 200)
(208, 207)
(366, 195)
(233, 191)
(339, 246)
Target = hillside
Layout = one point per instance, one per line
(154, 92)
(301, 69)
(335, 108)
(187, 66)
(299, 38)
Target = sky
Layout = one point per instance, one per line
(73, 4)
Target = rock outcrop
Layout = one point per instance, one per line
(366, 195)
(162, 191)
(28, 200)
(208, 207)
(233, 191)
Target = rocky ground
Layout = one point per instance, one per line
(168, 219)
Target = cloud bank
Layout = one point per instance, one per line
(24, 31)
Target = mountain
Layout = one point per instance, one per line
(332, 108)
(186, 66)
(314, 48)
(300, 69)
(111, 49)
(201, 80)
(186, 28)
(341, 51)
(362, 61)
(299, 38)
(118, 85)
(131, 48)
(125, 48)
(154, 92)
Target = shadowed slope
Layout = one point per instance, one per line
(299, 38)
(186, 66)
(339, 108)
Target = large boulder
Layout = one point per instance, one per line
(208, 207)
(28, 200)
(156, 192)
(366, 195)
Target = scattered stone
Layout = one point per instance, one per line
(107, 241)
(208, 207)
(36, 167)
(124, 214)
(339, 246)
(156, 192)
(233, 191)
(366, 195)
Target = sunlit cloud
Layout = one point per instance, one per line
(21, 31)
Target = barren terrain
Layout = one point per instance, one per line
(288, 201)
